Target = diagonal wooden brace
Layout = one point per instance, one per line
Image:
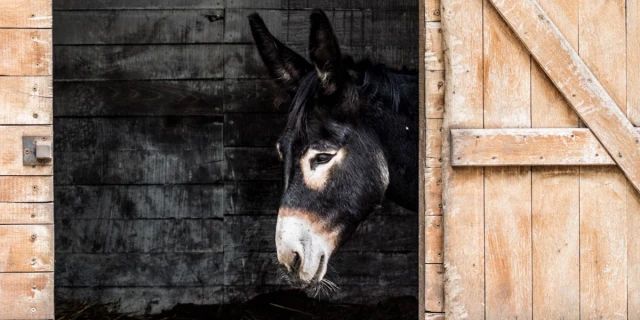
(576, 82)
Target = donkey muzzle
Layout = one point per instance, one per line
(303, 245)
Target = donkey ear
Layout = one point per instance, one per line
(283, 63)
(325, 52)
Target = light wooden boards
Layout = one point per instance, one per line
(25, 14)
(586, 94)
(463, 197)
(26, 100)
(26, 248)
(25, 52)
(26, 295)
(523, 147)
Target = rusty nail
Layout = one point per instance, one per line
(34, 237)
(35, 116)
(27, 151)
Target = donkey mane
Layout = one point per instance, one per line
(384, 88)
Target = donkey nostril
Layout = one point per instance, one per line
(295, 265)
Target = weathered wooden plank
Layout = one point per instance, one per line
(433, 191)
(434, 56)
(555, 192)
(138, 4)
(26, 100)
(30, 295)
(114, 270)
(253, 129)
(434, 316)
(463, 195)
(26, 213)
(579, 85)
(11, 152)
(164, 149)
(143, 202)
(603, 249)
(633, 256)
(237, 28)
(26, 52)
(435, 94)
(148, 235)
(252, 96)
(26, 248)
(141, 98)
(132, 300)
(434, 295)
(433, 148)
(556, 242)
(517, 147)
(633, 61)
(26, 189)
(432, 10)
(138, 26)
(256, 164)
(139, 62)
(434, 239)
(604, 193)
(507, 89)
(25, 14)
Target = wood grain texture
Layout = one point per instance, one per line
(434, 56)
(26, 188)
(432, 10)
(25, 14)
(26, 100)
(434, 239)
(26, 52)
(26, 248)
(139, 26)
(633, 200)
(433, 148)
(31, 295)
(435, 94)
(572, 76)
(147, 98)
(633, 61)
(140, 4)
(140, 62)
(603, 244)
(556, 242)
(463, 195)
(434, 295)
(12, 152)
(507, 205)
(633, 256)
(517, 147)
(433, 191)
(604, 193)
(26, 213)
(555, 192)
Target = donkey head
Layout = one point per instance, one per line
(335, 171)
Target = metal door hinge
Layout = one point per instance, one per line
(37, 150)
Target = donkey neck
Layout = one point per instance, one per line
(397, 130)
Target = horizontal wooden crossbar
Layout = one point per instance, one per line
(527, 147)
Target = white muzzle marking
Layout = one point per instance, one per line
(297, 234)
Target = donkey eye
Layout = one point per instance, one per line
(322, 158)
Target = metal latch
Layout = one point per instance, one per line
(37, 150)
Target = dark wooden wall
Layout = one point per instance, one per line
(167, 182)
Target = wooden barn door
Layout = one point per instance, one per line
(541, 161)
(26, 181)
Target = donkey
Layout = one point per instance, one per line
(351, 138)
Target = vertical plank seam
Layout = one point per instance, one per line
(484, 182)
